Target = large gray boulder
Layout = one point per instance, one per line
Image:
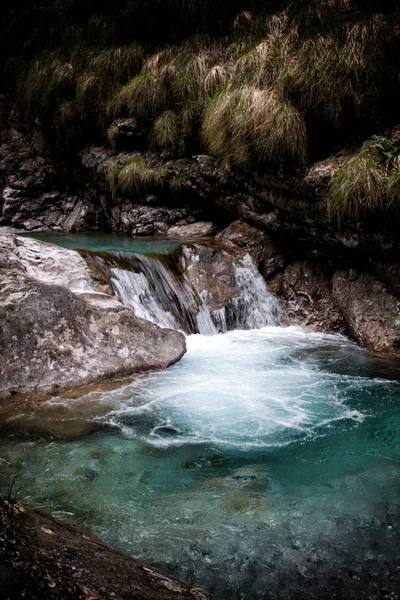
(371, 311)
(56, 330)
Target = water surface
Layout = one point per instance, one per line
(263, 459)
(264, 465)
(101, 242)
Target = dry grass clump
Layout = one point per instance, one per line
(165, 131)
(268, 62)
(171, 90)
(145, 96)
(248, 123)
(112, 133)
(365, 184)
(48, 79)
(244, 94)
(111, 174)
(333, 74)
(136, 176)
(357, 188)
(217, 77)
(74, 91)
(103, 72)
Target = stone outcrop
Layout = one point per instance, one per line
(56, 330)
(40, 193)
(261, 247)
(304, 289)
(277, 217)
(371, 312)
(211, 271)
(193, 230)
(44, 558)
(36, 193)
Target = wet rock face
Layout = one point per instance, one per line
(320, 173)
(304, 289)
(371, 312)
(56, 330)
(265, 251)
(34, 196)
(349, 302)
(150, 219)
(211, 271)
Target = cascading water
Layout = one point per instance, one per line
(161, 292)
(255, 307)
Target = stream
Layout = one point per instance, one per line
(264, 464)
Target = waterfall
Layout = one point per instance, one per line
(255, 306)
(159, 289)
(159, 295)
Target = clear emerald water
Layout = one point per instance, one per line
(101, 242)
(265, 464)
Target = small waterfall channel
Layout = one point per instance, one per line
(175, 291)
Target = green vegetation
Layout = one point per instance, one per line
(244, 122)
(165, 132)
(255, 83)
(72, 93)
(178, 183)
(135, 175)
(368, 182)
(112, 178)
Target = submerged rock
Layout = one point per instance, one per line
(47, 559)
(371, 311)
(56, 330)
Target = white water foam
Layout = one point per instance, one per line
(243, 389)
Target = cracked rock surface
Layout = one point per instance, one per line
(57, 331)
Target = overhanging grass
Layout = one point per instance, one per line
(247, 123)
(165, 133)
(245, 94)
(362, 186)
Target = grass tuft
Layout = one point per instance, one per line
(112, 178)
(365, 184)
(49, 80)
(217, 77)
(248, 123)
(137, 176)
(145, 96)
(166, 132)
